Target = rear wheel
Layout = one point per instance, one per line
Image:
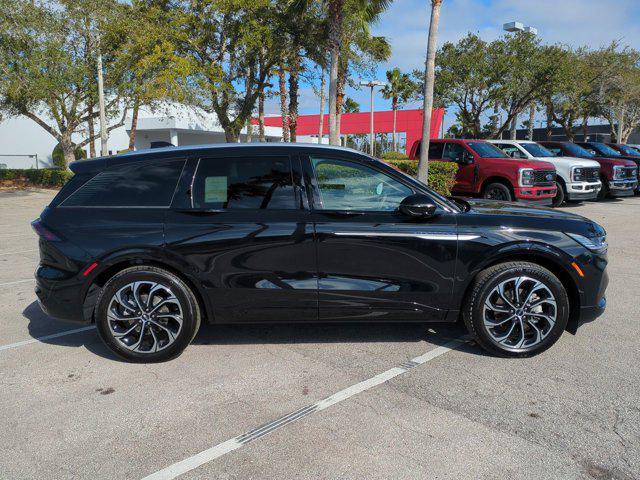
(560, 197)
(147, 314)
(516, 309)
(497, 191)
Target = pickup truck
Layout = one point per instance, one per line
(577, 178)
(486, 171)
(619, 177)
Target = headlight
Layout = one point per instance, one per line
(526, 177)
(595, 244)
(618, 173)
(578, 174)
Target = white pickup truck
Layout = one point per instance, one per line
(577, 178)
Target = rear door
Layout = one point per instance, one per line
(375, 264)
(241, 224)
(466, 176)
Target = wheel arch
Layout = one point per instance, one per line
(553, 264)
(113, 264)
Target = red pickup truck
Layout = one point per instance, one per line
(486, 171)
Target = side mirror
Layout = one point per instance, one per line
(418, 206)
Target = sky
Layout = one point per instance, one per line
(593, 23)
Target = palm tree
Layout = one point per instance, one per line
(429, 78)
(399, 89)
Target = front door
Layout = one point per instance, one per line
(242, 226)
(467, 172)
(373, 263)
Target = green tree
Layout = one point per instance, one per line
(44, 72)
(400, 88)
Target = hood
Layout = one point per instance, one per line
(573, 161)
(611, 162)
(522, 163)
(521, 216)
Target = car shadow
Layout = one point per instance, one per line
(40, 325)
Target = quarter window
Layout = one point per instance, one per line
(142, 185)
(244, 183)
(345, 185)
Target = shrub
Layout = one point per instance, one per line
(44, 177)
(394, 156)
(58, 157)
(442, 175)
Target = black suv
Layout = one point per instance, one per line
(149, 244)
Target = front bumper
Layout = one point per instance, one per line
(622, 188)
(593, 300)
(535, 195)
(583, 190)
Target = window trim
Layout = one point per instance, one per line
(140, 164)
(292, 170)
(315, 191)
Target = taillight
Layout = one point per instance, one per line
(43, 231)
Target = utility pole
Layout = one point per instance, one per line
(103, 117)
(373, 84)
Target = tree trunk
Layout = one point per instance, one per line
(294, 78)
(342, 79)
(323, 85)
(283, 104)
(514, 127)
(335, 37)
(532, 119)
(549, 114)
(261, 135)
(423, 162)
(619, 133)
(394, 106)
(249, 136)
(585, 127)
(134, 124)
(68, 150)
(103, 116)
(91, 130)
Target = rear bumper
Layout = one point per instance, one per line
(60, 298)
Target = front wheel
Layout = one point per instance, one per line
(560, 197)
(604, 191)
(516, 309)
(147, 314)
(497, 191)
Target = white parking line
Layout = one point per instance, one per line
(46, 337)
(17, 282)
(19, 251)
(2, 235)
(235, 443)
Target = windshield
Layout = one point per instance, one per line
(486, 150)
(577, 151)
(536, 150)
(604, 150)
(629, 150)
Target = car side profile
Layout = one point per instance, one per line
(619, 176)
(577, 178)
(149, 245)
(485, 171)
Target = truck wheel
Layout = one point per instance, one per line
(516, 309)
(560, 197)
(604, 191)
(497, 191)
(147, 314)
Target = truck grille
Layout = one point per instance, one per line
(544, 177)
(591, 174)
(630, 173)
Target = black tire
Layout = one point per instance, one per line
(484, 285)
(604, 191)
(497, 191)
(183, 299)
(560, 197)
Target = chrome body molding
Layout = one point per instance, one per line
(420, 235)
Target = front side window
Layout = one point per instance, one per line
(511, 150)
(244, 183)
(140, 185)
(454, 151)
(578, 151)
(345, 185)
(486, 150)
(537, 150)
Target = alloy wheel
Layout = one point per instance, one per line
(496, 193)
(145, 317)
(519, 313)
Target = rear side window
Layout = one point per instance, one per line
(142, 185)
(244, 183)
(435, 150)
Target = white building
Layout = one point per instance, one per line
(24, 144)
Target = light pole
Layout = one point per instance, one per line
(519, 27)
(372, 84)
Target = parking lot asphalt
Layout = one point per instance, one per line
(69, 409)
